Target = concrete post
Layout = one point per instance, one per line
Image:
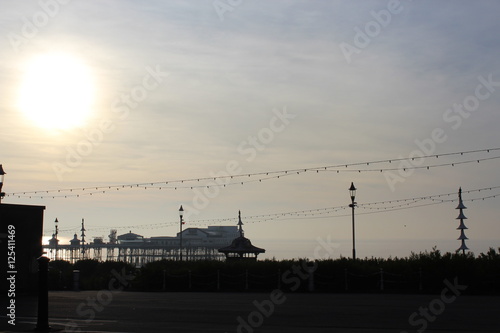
(43, 294)
(218, 279)
(76, 280)
(345, 280)
(190, 280)
(246, 279)
(164, 280)
(311, 279)
(420, 282)
(381, 279)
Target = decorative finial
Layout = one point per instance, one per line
(240, 224)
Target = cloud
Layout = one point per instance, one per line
(226, 77)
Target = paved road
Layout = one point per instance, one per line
(104, 311)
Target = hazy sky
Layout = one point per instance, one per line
(184, 90)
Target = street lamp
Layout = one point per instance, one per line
(352, 192)
(2, 175)
(57, 232)
(181, 213)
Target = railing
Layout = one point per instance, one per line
(342, 281)
(306, 280)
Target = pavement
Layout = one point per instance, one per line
(117, 311)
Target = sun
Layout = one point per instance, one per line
(57, 92)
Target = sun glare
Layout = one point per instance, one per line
(57, 92)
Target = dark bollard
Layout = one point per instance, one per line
(381, 279)
(43, 294)
(311, 269)
(76, 280)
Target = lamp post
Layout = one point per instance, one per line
(352, 192)
(181, 213)
(57, 232)
(2, 175)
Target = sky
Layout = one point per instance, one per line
(101, 94)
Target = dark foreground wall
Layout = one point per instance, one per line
(21, 228)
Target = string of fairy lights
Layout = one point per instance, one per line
(405, 164)
(321, 213)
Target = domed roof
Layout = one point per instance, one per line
(241, 245)
(75, 240)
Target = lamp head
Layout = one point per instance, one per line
(352, 191)
(2, 174)
(181, 211)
